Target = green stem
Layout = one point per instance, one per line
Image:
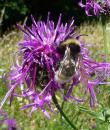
(106, 43)
(62, 110)
(62, 113)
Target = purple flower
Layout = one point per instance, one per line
(10, 124)
(106, 4)
(35, 75)
(94, 7)
(6, 122)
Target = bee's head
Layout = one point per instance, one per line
(74, 46)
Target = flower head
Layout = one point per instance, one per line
(94, 7)
(6, 122)
(35, 75)
(10, 124)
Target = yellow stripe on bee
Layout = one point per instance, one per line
(71, 41)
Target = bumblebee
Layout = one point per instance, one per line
(70, 50)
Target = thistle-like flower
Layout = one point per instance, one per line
(40, 62)
(95, 7)
(6, 122)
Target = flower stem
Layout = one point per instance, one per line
(62, 113)
(106, 43)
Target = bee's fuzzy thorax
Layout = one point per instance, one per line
(70, 41)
